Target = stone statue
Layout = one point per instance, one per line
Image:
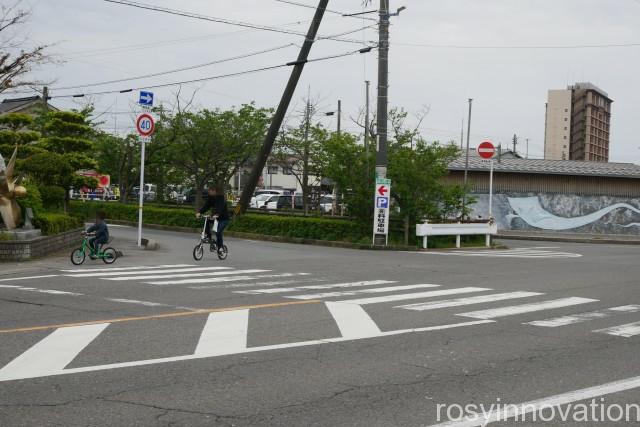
(10, 190)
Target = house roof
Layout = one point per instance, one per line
(550, 167)
(18, 104)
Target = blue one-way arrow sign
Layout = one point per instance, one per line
(146, 98)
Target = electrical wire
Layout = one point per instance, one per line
(217, 77)
(343, 14)
(523, 47)
(224, 20)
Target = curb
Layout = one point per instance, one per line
(567, 239)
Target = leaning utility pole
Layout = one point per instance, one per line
(339, 114)
(466, 159)
(278, 117)
(383, 87)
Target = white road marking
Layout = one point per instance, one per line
(312, 287)
(352, 320)
(432, 305)
(134, 301)
(520, 410)
(360, 291)
(527, 308)
(42, 291)
(627, 331)
(159, 271)
(29, 277)
(554, 322)
(512, 253)
(176, 276)
(15, 372)
(221, 280)
(142, 267)
(52, 354)
(401, 297)
(224, 333)
(274, 283)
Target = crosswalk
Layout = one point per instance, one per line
(525, 253)
(226, 331)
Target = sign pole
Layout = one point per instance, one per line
(141, 192)
(491, 190)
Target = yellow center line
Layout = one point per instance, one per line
(158, 316)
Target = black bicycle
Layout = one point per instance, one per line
(198, 251)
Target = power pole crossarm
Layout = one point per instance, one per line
(283, 106)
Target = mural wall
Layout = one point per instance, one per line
(561, 213)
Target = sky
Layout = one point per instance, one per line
(505, 54)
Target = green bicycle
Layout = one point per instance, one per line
(108, 254)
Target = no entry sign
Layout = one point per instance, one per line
(145, 124)
(486, 150)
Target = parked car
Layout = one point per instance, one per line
(284, 202)
(258, 201)
(149, 192)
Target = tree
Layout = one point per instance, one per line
(15, 62)
(66, 147)
(119, 158)
(15, 129)
(211, 145)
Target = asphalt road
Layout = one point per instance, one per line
(292, 335)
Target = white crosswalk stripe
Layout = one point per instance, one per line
(139, 267)
(417, 295)
(527, 308)
(626, 331)
(105, 274)
(432, 305)
(226, 272)
(222, 280)
(584, 317)
(532, 253)
(317, 287)
(359, 291)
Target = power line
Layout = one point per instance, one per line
(224, 20)
(506, 47)
(177, 70)
(221, 76)
(343, 14)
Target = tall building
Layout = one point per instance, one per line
(577, 124)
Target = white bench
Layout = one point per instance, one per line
(481, 228)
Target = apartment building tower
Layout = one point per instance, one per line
(577, 124)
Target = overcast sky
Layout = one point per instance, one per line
(442, 53)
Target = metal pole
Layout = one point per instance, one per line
(491, 191)
(141, 192)
(278, 117)
(339, 114)
(462, 135)
(366, 130)
(466, 161)
(383, 86)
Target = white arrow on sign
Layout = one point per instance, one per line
(146, 97)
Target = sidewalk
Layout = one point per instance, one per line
(569, 237)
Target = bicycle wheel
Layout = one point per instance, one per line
(222, 253)
(109, 255)
(198, 252)
(77, 256)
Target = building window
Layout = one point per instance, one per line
(272, 170)
(566, 128)
(565, 137)
(287, 171)
(566, 110)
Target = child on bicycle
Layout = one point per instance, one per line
(218, 204)
(101, 233)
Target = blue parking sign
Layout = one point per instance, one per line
(382, 202)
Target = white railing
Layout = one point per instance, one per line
(481, 228)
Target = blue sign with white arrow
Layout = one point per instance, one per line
(146, 98)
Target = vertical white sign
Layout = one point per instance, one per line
(381, 200)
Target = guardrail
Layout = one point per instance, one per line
(485, 228)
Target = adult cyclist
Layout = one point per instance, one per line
(218, 205)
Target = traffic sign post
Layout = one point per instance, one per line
(486, 150)
(145, 125)
(382, 198)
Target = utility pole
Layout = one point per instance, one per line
(305, 156)
(527, 153)
(466, 160)
(339, 114)
(45, 98)
(278, 117)
(462, 135)
(515, 143)
(383, 89)
(366, 124)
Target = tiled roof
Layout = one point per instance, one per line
(553, 167)
(8, 105)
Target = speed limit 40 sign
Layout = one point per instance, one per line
(145, 124)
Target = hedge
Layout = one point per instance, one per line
(55, 223)
(276, 225)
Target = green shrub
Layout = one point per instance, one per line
(54, 223)
(33, 198)
(52, 196)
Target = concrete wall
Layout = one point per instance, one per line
(21, 250)
(561, 213)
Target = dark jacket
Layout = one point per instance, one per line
(218, 205)
(101, 230)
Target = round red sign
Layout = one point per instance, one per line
(486, 150)
(145, 124)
